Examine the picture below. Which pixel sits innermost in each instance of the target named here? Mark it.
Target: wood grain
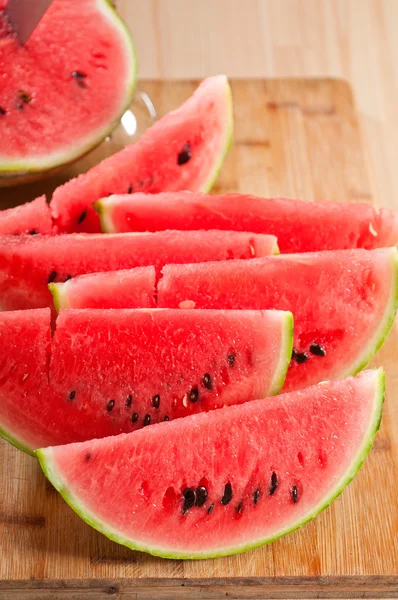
(293, 138)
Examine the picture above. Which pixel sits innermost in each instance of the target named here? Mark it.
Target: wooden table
(293, 138)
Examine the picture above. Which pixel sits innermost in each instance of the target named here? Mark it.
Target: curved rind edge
(19, 169)
(385, 326)
(102, 209)
(16, 443)
(285, 355)
(45, 458)
(56, 296)
(206, 187)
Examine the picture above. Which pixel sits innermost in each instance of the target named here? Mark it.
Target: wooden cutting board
(294, 138)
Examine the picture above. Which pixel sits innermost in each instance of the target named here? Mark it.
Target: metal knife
(24, 15)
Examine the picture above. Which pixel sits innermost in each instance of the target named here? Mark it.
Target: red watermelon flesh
(66, 88)
(299, 226)
(223, 482)
(32, 217)
(184, 150)
(29, 263)
(130, 288)
(111, 371)
(344, 302)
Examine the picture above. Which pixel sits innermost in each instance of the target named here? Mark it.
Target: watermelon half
(344, 302)
(32, 217)
(223, 482)
(130, 288)
(105, 372)
(299, 226)
(65, 89)
(184, 150)
(29, 263)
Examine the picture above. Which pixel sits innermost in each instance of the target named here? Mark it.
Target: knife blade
(24, 15)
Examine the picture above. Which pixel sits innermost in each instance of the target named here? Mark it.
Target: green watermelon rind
(385, 326)
(10, 170)
(16, 443)
(44, 456)
(284, 356)
(58, 296)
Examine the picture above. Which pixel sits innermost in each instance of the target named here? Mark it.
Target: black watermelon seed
(294, 494)
(147, 420)
(210, 509)
(130, 189)
(194, 395)
(52, 276)
(2, 111)
(227, 496)
(189, 496)
(185, 154)
(134, 418)
(68, 277)
(231, 359)
(207, 381)
(33, 232)
(19, 105)
(166, 418)
(294, 353)
(301, 358)
(82, 216)
(88, 457)
(24, 96)
(71, 395)
(239, 508)
(129, 401)
(78, 75)
(201, 495)
(317, 350)
(256, 496)
(156, 401)
(274, 484)
(110, 406)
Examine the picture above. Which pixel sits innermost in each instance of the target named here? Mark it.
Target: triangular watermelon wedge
(106, 372)
(344, 302)
(223, 482)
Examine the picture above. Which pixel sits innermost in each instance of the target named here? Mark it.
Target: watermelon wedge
(29, 263)
(242, 477)
(65, 89)
(32, 217)
(105, 372)
(184, 150)
(299, 226)
(344, 302)
(133, 288)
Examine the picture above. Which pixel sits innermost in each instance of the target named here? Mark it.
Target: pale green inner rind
(51, 471)
(275, 248)
(60, 298)
(103, 207)
(15, 167)
(385, 324)
(285, 355)
(208, 184)
(17, 443)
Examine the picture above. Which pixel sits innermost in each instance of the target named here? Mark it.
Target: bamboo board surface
(295, 138)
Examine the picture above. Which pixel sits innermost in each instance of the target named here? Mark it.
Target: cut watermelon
(133, 288)
(299, 226)
(242, 477)
(344, 302)
(29, 263)
(112, 371)
(32, 217)
(184, 150)
(65, 89)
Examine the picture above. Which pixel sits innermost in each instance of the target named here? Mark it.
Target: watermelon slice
(242, 477)
(299, 226)
(32, 217)
(110, 371)
(29, 263)
(65, 89)
(184, 150)
(132, 288)
(344, 302)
